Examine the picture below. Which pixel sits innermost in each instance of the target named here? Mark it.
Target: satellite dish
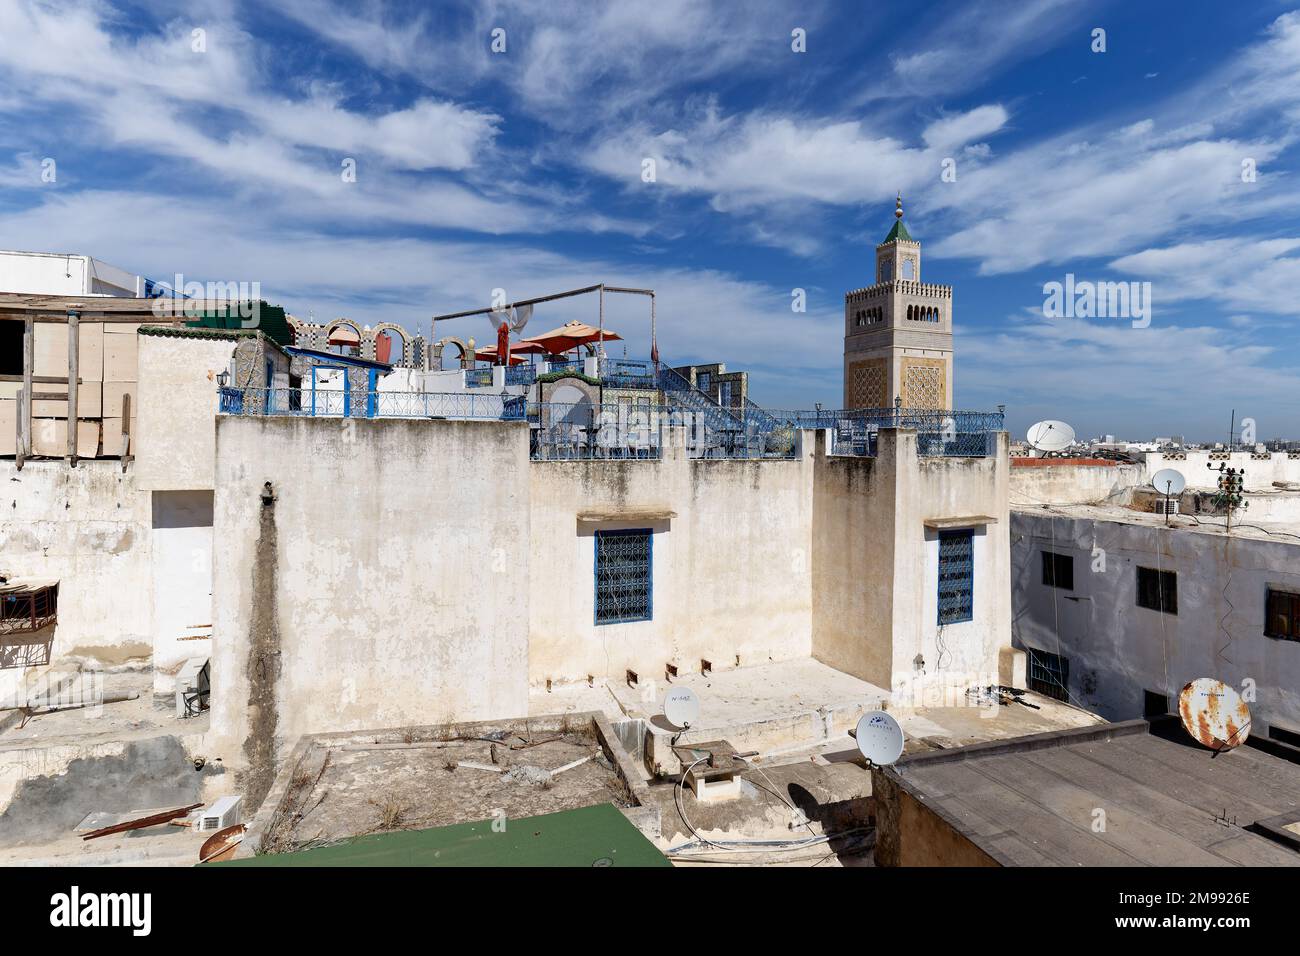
(1050, 436)
(682, 707)
(879, 737)
(1214, 713)
(1169, 481)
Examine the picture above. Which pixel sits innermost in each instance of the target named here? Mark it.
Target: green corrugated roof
(590, 836)
(193, 332)
(271, 322)
(899, 231)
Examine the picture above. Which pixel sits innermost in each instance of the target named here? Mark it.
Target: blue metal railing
(626, 430)
(567, 366)
(722, 429)
(939, 432)
(359, 403)
(622, 373)
(520, 374)
(561, 432)
(232, 400)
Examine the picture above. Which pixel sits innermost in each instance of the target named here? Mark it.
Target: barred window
(1157, 590)
(1282, 615)
(1048, 674)
(956, 576)
(624, 579)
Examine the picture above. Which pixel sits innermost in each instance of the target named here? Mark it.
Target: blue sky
(775, 170)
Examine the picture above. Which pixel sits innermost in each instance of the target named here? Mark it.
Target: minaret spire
(898, 207)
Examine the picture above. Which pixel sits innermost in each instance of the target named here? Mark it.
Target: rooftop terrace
(629, 428)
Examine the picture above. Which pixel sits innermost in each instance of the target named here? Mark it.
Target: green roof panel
(271, 321)
(590, 836)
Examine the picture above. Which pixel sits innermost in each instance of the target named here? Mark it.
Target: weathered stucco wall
(852, 558)
(89, 527)
(731, 563)
(1117, 650)
(876, 564)
(1074, 484)
(385, 585)
(177, 413)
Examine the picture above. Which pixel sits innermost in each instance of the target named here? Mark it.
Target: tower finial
(898, 207)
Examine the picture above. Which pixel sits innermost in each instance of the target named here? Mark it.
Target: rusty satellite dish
(221, 846)
(1214, 713)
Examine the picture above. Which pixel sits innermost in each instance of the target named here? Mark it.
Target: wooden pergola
(71, 311)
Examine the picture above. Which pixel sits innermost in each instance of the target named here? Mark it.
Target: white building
(57, 273)
(1119, 607)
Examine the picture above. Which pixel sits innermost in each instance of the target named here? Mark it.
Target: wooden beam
(38, 379)
(25, 413)
(128, 453)
(19, 419)
(145, 318)
(74, 355)
(50, 397)
(152, 820)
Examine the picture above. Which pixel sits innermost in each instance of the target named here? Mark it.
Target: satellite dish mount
(1169, 482)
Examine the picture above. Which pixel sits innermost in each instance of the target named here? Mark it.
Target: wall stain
(263, 663)
(114, 654)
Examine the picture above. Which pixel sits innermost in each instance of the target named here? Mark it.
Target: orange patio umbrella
(570, 336)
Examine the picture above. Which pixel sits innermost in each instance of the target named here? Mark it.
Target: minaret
(898, 331)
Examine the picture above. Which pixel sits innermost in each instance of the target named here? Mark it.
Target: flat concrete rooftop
(1034, 801)
(1243, 524)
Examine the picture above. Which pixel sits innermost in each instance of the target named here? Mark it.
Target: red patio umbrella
(488, 353)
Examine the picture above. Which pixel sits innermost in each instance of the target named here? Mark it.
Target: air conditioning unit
(225, 812)
(1166, 506)
(192, 687)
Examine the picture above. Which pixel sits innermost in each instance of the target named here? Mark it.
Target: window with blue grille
(624, 582)
(956, 576)
(1048, 674)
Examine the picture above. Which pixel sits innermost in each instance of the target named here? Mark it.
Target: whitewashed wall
(398, 583)
(1117, 649)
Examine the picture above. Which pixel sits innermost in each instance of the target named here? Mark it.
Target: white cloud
(763, 159)
(1105, 376)
(1099, 190)
(72, 56)
(959, 129)
(1240, 274)
(570, 64)
(1066, 200)
(967, 44)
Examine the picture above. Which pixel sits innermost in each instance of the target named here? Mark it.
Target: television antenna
(1214, 714)
(879, 738)
(682, 708)
(1049, 436)
(1169, 482)
(1232, 484)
